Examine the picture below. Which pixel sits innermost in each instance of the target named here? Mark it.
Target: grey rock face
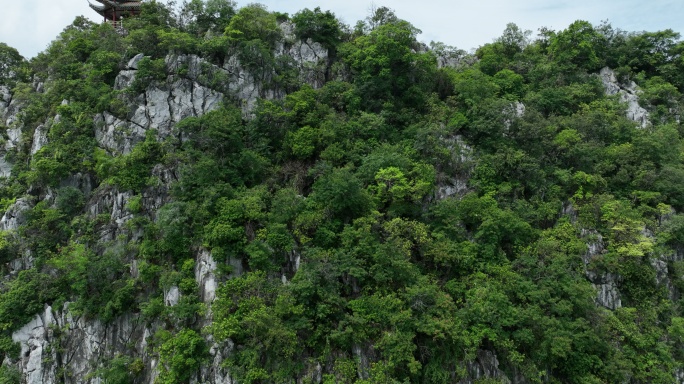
(607, 293)
(9, 108)
(15, 215)
(13, 138)
(39, 139)
(628, 94)
(115, 135)
(58, 347)
(486, 366)
(133, 63)
(172, 296)
(5, 167)
(160, 107)
(124, 79)
(310, 57)
(665, 274)
(5, 99)
(679, 375)
(456, 184)
(12, 113)
(214, 372)
(205, 266)
(33, 340)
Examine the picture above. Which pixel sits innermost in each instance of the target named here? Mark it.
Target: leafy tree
(12, 65)
(579, 46)
(321, 27)
(180, 355)
(264, 322)
(387, 71)
(207, 16)
(254, 23)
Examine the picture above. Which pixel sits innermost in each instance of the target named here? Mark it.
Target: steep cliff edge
(225, 195)
(58, 346)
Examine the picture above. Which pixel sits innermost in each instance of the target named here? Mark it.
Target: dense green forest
(415, 207)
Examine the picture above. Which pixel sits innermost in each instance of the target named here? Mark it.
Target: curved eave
(119, 5)
(97, 8)
(129, 6)
(112, 10)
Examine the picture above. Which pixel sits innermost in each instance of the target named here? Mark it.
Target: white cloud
(30, 25)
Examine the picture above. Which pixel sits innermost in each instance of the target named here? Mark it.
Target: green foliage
(98, 283)
(46, 228)
(321, 27)
(120, 370)
(180, 355)
(70, 200)
(20, 299)
(254, 314)
(10, 375)
(206, 16)
(132, 171)
(13, 66)
(341, 194)
(254, 23)
(579, 46)
(418, 216)
(149, 70)
(387, 71)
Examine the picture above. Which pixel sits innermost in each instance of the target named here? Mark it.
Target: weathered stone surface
(193, 87)
(80, 181)
(13, 137)
(5, 99)
(158, 100)
(171, 296)
(39, 139)
(628, 93)
(484, 366)
(205, 266)
(124, 79)
(15, 215)
(160, 106)
(455, 183)
(133, 62)
(9, 107)
(214, 372)
(5, 167)
(115, 135)
(607, 292)
(59, 347)
(33, 340)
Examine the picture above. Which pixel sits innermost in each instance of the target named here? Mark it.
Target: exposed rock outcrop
(628, 93)
(159, 107)
(58, 346)
(607, 293)
(462, 163)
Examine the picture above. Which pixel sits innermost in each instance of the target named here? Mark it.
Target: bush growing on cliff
(390, 226)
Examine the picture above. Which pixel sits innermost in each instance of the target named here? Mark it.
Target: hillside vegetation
(392, 219)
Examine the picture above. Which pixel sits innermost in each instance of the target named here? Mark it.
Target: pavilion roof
(114, 3)
(108, 6)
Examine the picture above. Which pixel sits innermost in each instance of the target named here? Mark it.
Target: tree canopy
(391, 221)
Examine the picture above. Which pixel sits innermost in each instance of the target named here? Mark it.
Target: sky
(30, 25)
